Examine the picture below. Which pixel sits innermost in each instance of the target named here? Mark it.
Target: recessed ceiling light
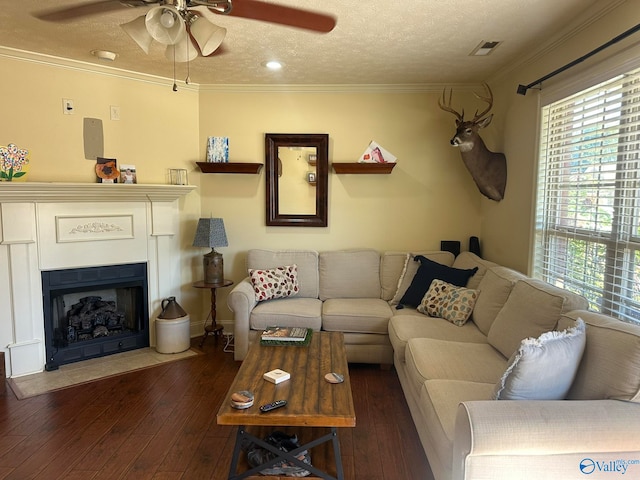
(104, 55)
(485, 48)
(273, 65)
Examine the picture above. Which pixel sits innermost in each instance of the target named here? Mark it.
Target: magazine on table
(285, 334)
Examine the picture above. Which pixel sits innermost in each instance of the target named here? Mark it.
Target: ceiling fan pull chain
(188, 79)
(175, 85)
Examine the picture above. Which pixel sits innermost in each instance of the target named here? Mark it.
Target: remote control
(272, 406)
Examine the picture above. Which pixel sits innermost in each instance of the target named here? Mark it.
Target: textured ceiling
(374, 41)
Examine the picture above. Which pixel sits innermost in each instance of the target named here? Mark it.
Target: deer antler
(447, 107)
(488, 99)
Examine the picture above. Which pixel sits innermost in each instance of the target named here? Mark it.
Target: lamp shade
(210, 233)
(184, 50)
(165, 24)
(137, 30)
(207, 35)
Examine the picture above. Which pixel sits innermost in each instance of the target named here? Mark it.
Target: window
(587, 233)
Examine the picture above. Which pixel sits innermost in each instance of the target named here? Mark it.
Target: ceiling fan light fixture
(137, 30)
(165, 24)
(207, 35)
(184, 50)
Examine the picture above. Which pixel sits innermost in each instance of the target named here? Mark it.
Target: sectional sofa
(505, 376)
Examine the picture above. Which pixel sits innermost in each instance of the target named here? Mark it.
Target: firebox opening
(93, 312)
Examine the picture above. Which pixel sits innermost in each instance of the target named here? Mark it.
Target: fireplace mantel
(39, 231)
(89, 192)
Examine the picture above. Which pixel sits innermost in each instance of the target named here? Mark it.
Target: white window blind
(587, 234)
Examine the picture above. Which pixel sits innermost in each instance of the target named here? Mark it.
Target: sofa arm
(241, 301)
(546, 439)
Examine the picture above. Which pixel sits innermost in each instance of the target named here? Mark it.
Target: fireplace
(59, 227)
(93, 312)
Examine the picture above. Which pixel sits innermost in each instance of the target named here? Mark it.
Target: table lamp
(210, 233)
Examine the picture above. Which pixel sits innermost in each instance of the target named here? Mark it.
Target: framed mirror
(297, 167)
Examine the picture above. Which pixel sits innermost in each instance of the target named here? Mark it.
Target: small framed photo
(313, 158)
(128, 174)
(311, 177)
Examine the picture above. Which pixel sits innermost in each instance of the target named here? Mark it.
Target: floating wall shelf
(229, 167)
(363, 168)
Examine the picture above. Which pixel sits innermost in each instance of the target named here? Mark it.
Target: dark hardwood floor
(160, 424)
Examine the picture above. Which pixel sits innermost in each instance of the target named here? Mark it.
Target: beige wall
(428, 197)
(506, 227)
(158, 130)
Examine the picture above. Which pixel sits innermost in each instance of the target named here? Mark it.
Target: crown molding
(337, 88)
(76, 65)
(581, 23)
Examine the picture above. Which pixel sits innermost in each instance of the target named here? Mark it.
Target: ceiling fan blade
(86, 9)
(281, 15)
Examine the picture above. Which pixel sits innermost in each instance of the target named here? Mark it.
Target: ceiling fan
(182, 26)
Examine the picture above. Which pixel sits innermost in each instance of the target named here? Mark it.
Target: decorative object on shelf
(178, 176)
(107, 170)
(218, 149)
(313, 158)
(128, 174)
(488, 169)
(210, 233)
(311, 177)
(231, 167)
(13, 163)
(376, 154)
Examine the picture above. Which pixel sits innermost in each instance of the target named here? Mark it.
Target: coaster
(242, 399)
(334, 377)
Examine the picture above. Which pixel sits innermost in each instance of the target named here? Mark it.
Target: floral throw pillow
(444, 300)
(276, 282)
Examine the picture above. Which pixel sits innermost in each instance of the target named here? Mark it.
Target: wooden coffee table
(311, 400)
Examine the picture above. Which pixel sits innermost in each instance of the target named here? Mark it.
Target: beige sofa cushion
(533, 307)
(438, 403)
(359, 315)
(349, 274)
(287, 312)
(397, 270)
(467, 260)
(306, 260)
(495, 287)
(408, 323)
(427, 359)
(610, 366)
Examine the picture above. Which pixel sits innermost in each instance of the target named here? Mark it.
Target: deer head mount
(488, 169)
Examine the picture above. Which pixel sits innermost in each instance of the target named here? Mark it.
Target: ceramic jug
(171, 309)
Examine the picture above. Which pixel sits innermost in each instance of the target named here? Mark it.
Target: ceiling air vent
(484, 49)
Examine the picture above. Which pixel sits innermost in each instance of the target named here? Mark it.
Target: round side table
(213, 328)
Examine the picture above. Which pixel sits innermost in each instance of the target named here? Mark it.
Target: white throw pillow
(543, 368)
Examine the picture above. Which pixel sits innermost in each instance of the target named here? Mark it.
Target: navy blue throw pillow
(429, 271)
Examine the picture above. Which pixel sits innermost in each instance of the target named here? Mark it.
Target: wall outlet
(67, 106)
(115, 112)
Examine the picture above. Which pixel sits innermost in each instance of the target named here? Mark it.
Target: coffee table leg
(236, 453)
(336, 453)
